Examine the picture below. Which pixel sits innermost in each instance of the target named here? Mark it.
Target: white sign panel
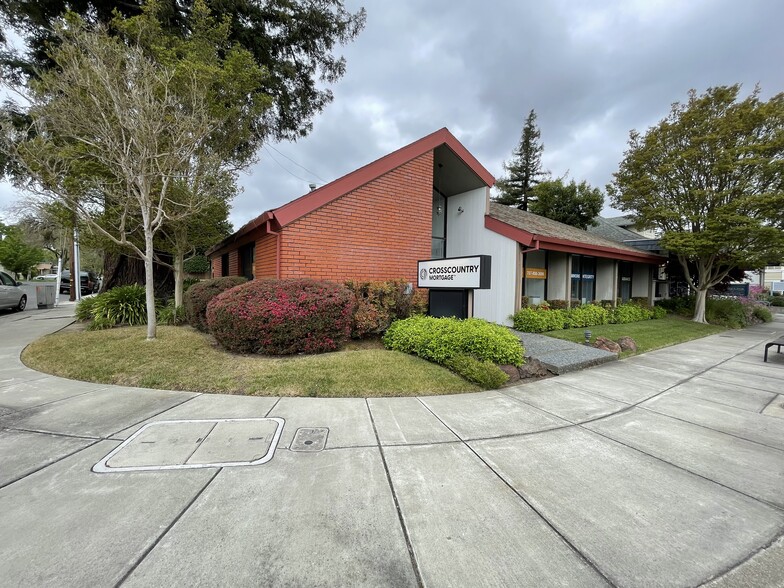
(458, 272)
(777, 287)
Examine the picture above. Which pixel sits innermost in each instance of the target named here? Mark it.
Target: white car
(11, 296)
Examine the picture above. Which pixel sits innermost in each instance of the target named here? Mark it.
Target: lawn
(185, 359)
(648, 335)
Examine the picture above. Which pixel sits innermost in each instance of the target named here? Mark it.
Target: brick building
(430, 200)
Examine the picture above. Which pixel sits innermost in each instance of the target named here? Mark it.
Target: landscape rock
(512, 371)
(532, 368)
(607, 345)
(627, 344)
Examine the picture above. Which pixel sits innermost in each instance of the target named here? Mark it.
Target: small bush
(680, 305)
(629, 313)
(558, 304)
(762, 314)
(124, 305)
(380, 303)
(484, 373)
(777, 300)
(587, 315)
(84, 310)
(727, 312)
(198, 296)
(281, 317)
(198, 264)
(188, 282)
(171, 315)
(659, 312)
(539, 320)
(440, 339)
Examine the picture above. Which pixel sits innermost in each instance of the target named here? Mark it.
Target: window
(535, 276)
(583, 278)
(224, 265)
(438, 242)
(625, 281)
(246, 254)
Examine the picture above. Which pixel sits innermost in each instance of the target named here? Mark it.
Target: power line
(297, 164)
(284, 168)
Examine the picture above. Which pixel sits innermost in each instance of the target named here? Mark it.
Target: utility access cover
(207, 443)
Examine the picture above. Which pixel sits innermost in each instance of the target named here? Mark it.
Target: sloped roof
(609, 228)
(288, 213)
(531, 229)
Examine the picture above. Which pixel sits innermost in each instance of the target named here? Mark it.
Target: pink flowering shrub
(281, 317)
(198, 296)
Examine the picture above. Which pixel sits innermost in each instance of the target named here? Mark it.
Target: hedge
(469, 347)
(544, 318)
(198, 296)
(281, 317)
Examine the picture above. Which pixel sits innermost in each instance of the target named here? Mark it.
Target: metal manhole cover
(189, 444)
(310, 439)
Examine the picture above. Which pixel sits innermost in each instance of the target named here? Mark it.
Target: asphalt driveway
(665, 469)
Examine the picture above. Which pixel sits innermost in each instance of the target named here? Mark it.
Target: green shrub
(441, 339)
(762, 314)
(641, 301)
(484, 373)
(629, 313)
(587, 315)
(680, 305)
(84, 309)
(281, 317)
(171, 315)
(198, 264)
(558, 304)
(188, 282)
(380, 303)
(659, 312)
(777, 300)
(124, 305)
(539, 320)
(727, 312)
(198, 296)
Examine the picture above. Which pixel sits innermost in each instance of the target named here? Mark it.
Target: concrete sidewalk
(665, 469)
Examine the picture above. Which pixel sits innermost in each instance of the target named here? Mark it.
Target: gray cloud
(592, 70)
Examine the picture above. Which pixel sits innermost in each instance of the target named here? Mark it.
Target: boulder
(607, 345)
(512, 371)
(533, 368)
(627, 344)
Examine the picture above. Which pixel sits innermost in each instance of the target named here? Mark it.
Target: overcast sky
(592, 71)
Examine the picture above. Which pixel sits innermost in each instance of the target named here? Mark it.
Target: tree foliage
(524, 171)
(292, 40)
(16, 254)
(573, 204)
(711, 176)
(132, 133)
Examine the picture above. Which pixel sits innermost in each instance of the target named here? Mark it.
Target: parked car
(11, 296)
(88, 279)
(46, 278)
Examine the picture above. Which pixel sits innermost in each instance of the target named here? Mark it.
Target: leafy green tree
(129, 132)
(16, 255)
(524, 171)
(573, 204)
(710, 176)
(292, 40)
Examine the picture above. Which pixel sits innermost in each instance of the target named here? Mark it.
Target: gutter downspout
(277, 246)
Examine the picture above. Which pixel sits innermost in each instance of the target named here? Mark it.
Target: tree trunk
(179, 278)
(124, 270)
(699, 306)
(149, 285)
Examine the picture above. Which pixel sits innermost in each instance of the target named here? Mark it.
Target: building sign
(535, 273)
(737, 290)
(455, 273)
(777, 287)
(584, 276)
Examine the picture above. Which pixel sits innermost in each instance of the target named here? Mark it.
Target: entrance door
(246, 255)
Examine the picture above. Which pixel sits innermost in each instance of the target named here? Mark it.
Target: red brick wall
(376, 232)
(265, 260)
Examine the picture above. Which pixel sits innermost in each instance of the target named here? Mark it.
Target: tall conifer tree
(524, 171)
